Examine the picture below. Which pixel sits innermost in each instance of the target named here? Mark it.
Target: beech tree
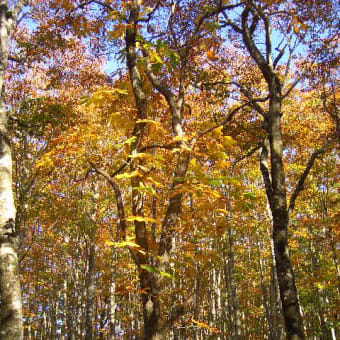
(10, 293)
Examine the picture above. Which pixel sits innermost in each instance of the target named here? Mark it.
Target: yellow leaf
(157, 184)
(127, 175)
(110, 243)
(141, 219)
(147, 121)
(139, 155)
(223, 164)
(227, 141)
(296, 29)
(217, 132)
(204, 325)
(211, 56)
(127, 243)
(223, 211)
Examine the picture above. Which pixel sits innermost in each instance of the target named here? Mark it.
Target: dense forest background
(169, 169)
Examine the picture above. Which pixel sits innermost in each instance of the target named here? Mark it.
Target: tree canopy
(169, 169)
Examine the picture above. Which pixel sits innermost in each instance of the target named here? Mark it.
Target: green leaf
(156, 67)
(127, 141)
(249, 195)
(149, 269)
(165, 274)
(216, 182)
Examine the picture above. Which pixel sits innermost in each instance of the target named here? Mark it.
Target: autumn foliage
(175, 169)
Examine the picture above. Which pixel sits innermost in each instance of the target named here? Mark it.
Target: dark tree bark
(274, 178)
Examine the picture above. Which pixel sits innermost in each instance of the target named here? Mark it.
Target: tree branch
(107, 6)
(160, 146)
(156, 83)
(252, 48)
(247, 155)
(18, 7)
(149, 16)
(229, 22)
(265, 173)
(268, 32)
(292, 86)
(226, 120)
(16, 59)
(121, 223)
(299, 186)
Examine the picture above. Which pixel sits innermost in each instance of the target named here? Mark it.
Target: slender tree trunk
(237, 324)
(275, 179)
(265, 295)
(90, 293)
(112, 307)
(197, 299)
(228, 292)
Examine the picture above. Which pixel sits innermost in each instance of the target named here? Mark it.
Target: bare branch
(16, 59)
(82, 5)
(254, 101)
(160, 146)
(253, 49)
(268, 32)
(121, 223)
(254, 23)
(149, 16)
(226, 120)
(245, 91)
(219, 8)
(29, 247)
(156, 83)
(247, 155)
(291, 87)
(229, 22)
(280, 55)
(18, 7)
(299, 186)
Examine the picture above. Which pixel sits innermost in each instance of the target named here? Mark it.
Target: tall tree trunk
(10, 291)
(228, 291)
(276, 306)
(275, 179)
(237, 324)
(265, 292)
(90, 292)
(278, 203)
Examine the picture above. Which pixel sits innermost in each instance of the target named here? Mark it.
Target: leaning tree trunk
(10, 292)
